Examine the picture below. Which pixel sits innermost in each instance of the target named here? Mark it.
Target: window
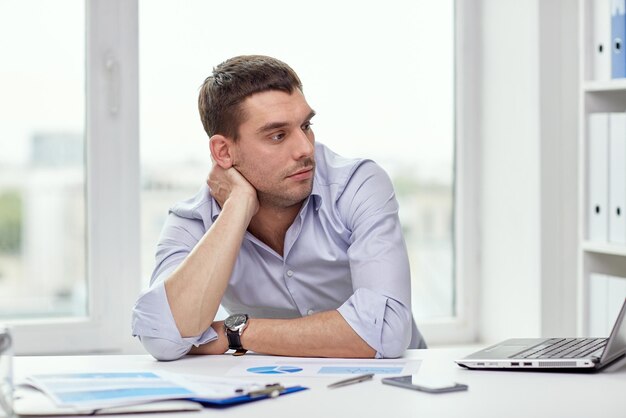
(68, 140)
(70, 120)
(382, 88)
(42, 182)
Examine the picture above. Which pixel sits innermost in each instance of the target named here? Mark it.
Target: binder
(238, 400)
(31, 402)
(617, 178)
(601, 48)
(597, 177)
(598, 299)
(618, 34)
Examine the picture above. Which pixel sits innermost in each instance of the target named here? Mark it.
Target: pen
(356, 379)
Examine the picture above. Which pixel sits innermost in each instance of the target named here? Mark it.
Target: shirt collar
(317, 195)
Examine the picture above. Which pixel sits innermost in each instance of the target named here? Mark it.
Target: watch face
(235, 321)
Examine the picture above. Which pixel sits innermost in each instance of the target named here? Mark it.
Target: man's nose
(304, 145)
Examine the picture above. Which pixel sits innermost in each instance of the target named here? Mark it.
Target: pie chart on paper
(274, 370)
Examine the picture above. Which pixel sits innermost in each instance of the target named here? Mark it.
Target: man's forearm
(196, 287)
(325, 334)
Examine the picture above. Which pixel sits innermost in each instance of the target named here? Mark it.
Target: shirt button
(310, 312)
(289, 273)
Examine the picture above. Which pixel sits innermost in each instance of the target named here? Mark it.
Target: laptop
(553, 354)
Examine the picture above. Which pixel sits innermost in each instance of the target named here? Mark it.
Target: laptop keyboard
(564, 348)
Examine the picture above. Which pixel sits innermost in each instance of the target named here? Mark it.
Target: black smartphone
(425, 383)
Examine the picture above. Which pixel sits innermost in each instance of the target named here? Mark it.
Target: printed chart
(283, 366)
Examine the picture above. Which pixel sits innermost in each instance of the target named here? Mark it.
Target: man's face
(275, 149)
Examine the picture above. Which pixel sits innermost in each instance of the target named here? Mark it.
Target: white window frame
(462, 328)
(112, 192)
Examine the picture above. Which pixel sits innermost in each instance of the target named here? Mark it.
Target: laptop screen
(616, 344)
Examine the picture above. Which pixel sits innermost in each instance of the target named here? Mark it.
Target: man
(303, 247)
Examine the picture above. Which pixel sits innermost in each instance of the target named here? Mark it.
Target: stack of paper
(117, 392)
(32, 402)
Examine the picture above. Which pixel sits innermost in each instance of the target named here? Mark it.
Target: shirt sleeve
(152, 319)
(379, 311)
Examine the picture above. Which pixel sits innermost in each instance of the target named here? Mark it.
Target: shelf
(608, 85)
(595, 96)
(608, 249)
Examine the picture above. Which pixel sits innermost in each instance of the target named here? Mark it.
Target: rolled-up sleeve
(379, 311)
(152, 319)
(382, 322)
(154, 324)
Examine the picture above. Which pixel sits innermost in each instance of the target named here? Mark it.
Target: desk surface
(490, 394)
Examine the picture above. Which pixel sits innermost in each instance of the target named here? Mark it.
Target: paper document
(104, 390)
(32, 402)
(283, 367)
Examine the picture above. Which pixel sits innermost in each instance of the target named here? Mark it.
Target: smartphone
(424, 383)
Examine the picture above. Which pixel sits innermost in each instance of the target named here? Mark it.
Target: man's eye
(277, 137)
(307, 126)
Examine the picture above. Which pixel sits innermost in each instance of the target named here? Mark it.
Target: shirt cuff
(153, 318)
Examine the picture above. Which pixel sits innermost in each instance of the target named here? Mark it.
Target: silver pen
(356, 379)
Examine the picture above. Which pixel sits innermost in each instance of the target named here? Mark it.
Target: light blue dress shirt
(344, 251)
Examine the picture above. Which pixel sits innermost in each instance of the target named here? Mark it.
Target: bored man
(302, 247)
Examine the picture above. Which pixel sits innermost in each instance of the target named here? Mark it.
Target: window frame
(111, 192)
(463, 326)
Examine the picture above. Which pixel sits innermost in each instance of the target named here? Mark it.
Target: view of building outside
(379, 75)
(42, 196)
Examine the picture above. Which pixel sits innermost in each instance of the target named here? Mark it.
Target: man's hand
(227, 183)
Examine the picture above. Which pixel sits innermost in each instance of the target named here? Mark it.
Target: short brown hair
(232, 82)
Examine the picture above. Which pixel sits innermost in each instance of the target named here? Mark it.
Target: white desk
(490, 394)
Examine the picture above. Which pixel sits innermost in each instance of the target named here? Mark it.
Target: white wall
(558, 110)
(528, 196)
(510, 173)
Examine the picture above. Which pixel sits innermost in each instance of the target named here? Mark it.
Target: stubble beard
(284, 200)
(280, 198)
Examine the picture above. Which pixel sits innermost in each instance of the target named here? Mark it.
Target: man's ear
(221, 150)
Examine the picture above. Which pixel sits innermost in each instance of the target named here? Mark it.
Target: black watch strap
(234, 342)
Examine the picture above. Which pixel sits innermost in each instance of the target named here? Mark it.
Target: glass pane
(379, 75)
(42, 198)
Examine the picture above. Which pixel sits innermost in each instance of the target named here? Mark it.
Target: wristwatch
(234, 325)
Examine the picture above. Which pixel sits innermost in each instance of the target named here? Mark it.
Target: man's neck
(270, 224)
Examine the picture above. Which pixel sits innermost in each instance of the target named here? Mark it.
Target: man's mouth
(302, 174)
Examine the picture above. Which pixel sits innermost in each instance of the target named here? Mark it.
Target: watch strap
(240, 352)
(234, 342)
(234, 326)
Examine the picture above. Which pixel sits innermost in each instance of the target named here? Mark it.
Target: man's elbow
(396, 338)
(394, 349)
(162, 349)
